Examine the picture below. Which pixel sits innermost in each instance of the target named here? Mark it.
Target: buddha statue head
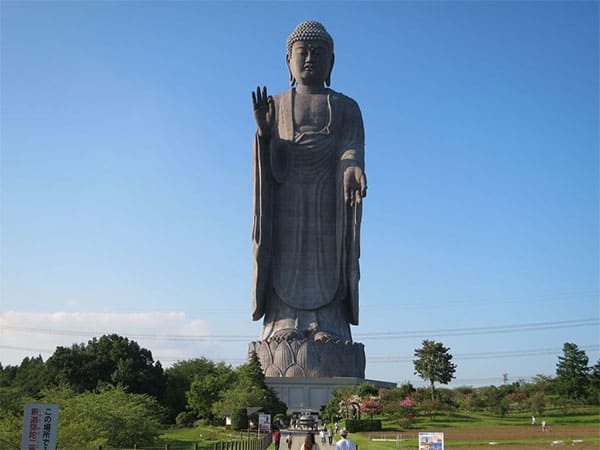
(310, 54)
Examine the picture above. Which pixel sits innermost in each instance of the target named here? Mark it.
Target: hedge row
(354, 425)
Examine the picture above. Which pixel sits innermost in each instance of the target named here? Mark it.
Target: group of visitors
(326, 435)
(309, 440)
(545, 426)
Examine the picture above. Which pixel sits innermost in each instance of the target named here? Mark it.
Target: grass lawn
(204, 436)
(462, 431)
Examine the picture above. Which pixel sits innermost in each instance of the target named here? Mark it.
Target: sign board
(40, 426)
(431, 441)
(264, 423)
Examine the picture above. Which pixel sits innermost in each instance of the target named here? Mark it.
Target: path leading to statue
(298, 437)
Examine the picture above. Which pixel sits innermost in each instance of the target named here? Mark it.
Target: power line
(485, 355)
(160, 337)
(558, 296)
(390, 359)
(467, 331)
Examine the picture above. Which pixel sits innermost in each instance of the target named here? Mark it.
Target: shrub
(185, 419)
(239, 419)
(371, 407)
(406, 412)
(537, 403)
(357, 425)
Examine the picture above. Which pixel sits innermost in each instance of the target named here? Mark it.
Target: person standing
(330, 435)
(309, 442)
(288, 440)
(344, 443)
(276, 438)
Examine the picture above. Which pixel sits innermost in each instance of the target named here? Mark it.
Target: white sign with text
(40, 426)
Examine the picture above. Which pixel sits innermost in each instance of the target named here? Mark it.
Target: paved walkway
(298, 439)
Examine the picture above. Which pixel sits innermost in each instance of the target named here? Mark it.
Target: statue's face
(310, 62)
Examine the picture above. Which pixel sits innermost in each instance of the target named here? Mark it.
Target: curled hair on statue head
(309, 30)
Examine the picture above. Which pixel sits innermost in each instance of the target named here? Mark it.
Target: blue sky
(126, 179)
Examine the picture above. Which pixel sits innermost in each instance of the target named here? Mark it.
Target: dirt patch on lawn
(561, 432)
(565, 433)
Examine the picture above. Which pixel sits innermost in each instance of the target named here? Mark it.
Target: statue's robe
(306, 237)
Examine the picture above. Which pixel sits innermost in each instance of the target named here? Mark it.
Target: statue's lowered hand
(355, 185)
(264, 111)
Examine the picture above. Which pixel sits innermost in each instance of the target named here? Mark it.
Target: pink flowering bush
(517, 400)
(406, 411)
(371, 407)
(407, 403)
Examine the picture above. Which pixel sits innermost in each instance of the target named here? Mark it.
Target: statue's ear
(328, 79)
(292, 79)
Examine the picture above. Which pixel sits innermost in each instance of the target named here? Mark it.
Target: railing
(250, 443)
(242, 442)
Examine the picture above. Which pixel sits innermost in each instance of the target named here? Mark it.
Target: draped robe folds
(305, 236)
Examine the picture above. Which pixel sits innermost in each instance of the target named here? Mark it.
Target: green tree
(537, 403)
(330, 411)
(489, 397)
(542, 383)
(26, 379)
(113, 360)
(249, 389)
(206, 390)
(406, 389)
(433, 363)
(594, 385)
(239, 419)
(182, 395)
(366, 390)
(572, 372)
(72, 365)
(392, 398)
(111, 417)
(11, 426)
(349, 403)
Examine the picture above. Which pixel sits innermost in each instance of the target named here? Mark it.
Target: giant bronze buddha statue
(309, 183)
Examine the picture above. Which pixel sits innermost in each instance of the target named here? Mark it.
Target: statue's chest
(311, 112)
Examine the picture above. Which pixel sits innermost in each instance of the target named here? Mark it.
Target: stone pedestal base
(308, 358)
(309, 393)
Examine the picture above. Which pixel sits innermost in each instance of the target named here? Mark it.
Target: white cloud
(169, 335)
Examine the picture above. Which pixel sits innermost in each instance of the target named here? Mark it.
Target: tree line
(110, 385)
(112, 393)
(576, 384)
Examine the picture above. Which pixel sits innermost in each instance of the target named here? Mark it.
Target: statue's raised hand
(355, 185)
(264, 111)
